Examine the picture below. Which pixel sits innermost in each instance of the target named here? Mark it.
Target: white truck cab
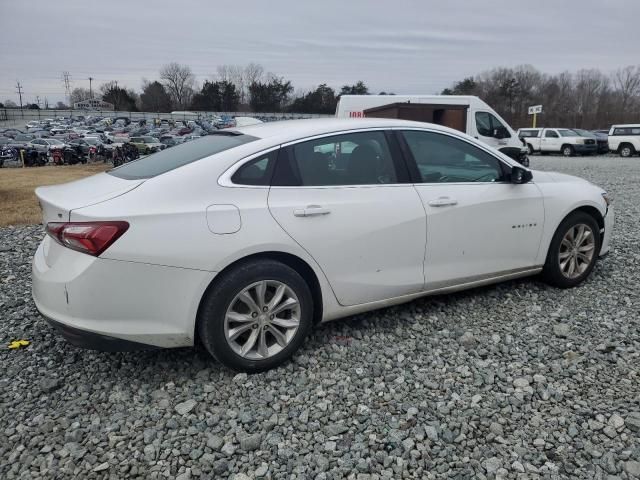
(625, 139)
(467, 114)
(557, 140)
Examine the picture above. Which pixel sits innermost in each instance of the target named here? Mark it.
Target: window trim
(224, 180)
(413, 165)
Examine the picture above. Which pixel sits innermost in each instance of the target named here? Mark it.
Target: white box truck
(467, 114)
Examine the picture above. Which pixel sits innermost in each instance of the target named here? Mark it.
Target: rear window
(183, 154)
(528, 133)
(626, 131)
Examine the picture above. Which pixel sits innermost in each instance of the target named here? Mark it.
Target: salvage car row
(79, 139)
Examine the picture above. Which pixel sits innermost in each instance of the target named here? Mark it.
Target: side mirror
(519, 175)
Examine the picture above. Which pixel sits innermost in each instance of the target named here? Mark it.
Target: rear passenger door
(345, 198)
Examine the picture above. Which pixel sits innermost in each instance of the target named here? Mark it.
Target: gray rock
(561, 330)
(185, 407)
(632, 421)
(335, 429)
(251, 442)
(632, 467)
(48, 385)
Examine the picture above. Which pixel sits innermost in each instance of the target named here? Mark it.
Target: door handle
(443, 202)
(311, 211)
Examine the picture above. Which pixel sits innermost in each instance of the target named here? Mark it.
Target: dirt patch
(18, 202)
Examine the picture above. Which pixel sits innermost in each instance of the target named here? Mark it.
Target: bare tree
(627, 83)
(79, 95)
(179, 82)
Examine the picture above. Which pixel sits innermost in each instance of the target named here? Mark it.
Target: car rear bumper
(105, 304)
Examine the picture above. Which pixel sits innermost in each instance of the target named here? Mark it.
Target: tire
(567, 151)
(554, 272)
(222, 299)
(146, 152)
(626, 150)
(525, 162)
(530, 148)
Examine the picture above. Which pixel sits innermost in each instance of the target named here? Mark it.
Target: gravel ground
(517, 380)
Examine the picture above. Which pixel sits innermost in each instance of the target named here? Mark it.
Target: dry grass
(18, 203)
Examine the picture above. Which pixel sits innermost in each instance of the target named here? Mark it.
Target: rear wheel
(573, 251)
(567, 151)
(626, 150)
(256, 316)
(530, 148)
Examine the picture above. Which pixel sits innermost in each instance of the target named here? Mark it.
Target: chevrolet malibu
(246, 238)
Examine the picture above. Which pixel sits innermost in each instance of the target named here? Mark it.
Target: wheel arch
(296, 263)
(586, 208)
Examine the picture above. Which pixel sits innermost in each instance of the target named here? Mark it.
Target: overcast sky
(404, 46)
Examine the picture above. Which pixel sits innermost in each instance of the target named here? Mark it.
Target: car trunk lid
(57, 201)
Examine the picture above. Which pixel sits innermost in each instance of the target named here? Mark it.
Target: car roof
(633, 125)
(289, 130)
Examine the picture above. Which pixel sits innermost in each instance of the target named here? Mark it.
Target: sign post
(535, 110)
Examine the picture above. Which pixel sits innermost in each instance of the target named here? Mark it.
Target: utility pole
(19, 90)
(38, 101)
(46, 103)
(90, 91)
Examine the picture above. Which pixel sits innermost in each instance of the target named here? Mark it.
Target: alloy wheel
(625, 152)
(577, 250)
(262, 319)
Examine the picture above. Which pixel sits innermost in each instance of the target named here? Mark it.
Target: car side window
(442, 158)
(257, 171)
(550, 134)
(362, 158)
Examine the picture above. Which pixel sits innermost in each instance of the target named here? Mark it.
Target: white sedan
(248, 237)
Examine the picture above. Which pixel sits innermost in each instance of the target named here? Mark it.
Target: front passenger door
(478, 223)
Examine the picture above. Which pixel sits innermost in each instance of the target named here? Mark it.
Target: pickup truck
(557, 140)
(625, 139)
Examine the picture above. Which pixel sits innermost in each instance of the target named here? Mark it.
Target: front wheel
(567, 151)
(573, 251)
(530, 148)
(256, 316)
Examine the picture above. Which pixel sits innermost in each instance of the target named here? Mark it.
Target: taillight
(91, 238)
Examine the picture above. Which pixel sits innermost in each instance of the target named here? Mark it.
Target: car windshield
(183, 154)
(53, 141)
(567, 133)
(149, 140)
(583, 133)
(24, 137)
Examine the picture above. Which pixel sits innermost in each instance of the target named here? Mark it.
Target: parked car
(602, 141)
(86, 145)
(625, 139)
(249, 271)
(21, 140)
(557, 140)
(147, 145)
(43, 145)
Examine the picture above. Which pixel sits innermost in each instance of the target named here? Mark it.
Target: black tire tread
(214, 304)
(551, 271)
